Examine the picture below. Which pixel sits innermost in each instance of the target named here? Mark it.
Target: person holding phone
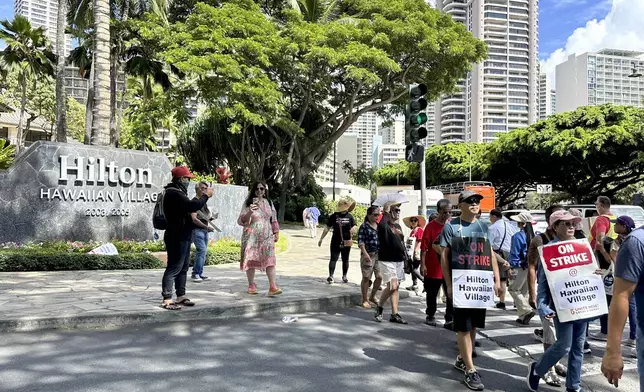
(343, 225)
(261, 232)
(201, 219)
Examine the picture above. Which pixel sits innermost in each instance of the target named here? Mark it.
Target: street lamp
(635, 74)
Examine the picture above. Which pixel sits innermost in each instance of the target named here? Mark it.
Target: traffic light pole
(423, 189)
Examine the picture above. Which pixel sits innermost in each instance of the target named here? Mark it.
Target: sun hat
(421, 220)
(181, 171)
(467, 194)
(389, 204)
(562, 215)
(523, 217)
(345, 205)
(627, 222)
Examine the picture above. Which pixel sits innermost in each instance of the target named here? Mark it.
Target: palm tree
(316, 11)
(29, 54)
(61, 98)
(102, 94)
(81, 57)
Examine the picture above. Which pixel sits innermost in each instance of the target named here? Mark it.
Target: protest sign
(577, 292)
(105, 249)
(472, 273)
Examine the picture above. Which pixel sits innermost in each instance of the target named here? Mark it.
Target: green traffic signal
(419, 119)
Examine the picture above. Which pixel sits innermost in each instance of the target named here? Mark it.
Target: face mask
(185, 183)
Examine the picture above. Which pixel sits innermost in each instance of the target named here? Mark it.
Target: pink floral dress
(257, 244)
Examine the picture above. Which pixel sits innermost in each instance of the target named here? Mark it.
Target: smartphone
(255, 200)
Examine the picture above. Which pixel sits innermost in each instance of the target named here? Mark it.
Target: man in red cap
(177, 208)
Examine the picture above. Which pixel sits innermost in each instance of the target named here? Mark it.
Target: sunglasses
(396, 210)
(376, 215)
(567, 224)
(413, 220)
(261, 188)
(472, 200)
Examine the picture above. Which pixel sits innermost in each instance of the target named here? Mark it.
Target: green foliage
(47, 260)
(40, 95)
(293, 76)
(7, 154)
(299, 198)
(75, 119)
(358, 213)
(360, 176)
(591, 151)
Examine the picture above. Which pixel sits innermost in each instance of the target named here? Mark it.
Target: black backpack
(158, 216)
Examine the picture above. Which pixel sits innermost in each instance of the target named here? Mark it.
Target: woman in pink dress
(261, 232)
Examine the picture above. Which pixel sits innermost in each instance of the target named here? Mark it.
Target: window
(495, 15)
(4, 133)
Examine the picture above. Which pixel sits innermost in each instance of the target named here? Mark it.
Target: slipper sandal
(170, 306)
(186, 302)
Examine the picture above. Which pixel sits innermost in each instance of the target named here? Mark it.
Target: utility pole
(334, 165)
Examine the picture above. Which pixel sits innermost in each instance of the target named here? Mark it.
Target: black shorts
(466, 319)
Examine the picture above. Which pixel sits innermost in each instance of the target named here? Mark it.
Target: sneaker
(630, 343)
(587, 349)
(459, 364)
(252, 289)
(477, 343)
(449, 325)
(273, 291)
(525, 320)
(474, 354)
(378, 315)
(431, 321)
(599, 336)
(396, 318)
(329, 280)
(204, 278)
(500, 305)
(196, 278)
(552, 379)
(561, 370)
(538, 334)
(413, 287)
(473, 380)
(532, 379)
(345, 280)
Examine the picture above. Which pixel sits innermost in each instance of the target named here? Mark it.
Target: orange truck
(485, 188)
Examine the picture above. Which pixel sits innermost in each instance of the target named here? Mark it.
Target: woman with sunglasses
(570, 335)
(261, 232)
(369, 245)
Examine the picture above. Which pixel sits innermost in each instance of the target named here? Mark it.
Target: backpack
(158, 216)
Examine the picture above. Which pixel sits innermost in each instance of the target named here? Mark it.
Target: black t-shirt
(340, 221)
(392, 241)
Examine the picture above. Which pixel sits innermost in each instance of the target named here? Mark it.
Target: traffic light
(415, 117)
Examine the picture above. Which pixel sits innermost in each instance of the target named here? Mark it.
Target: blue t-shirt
(630, 266)
(458, 228)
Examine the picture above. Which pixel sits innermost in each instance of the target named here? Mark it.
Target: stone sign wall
(58, 191)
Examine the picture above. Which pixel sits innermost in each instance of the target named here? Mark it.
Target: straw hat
(523, 217)
(345, 205)
(421, 220)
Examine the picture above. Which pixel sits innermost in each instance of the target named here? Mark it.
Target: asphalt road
(334, 351)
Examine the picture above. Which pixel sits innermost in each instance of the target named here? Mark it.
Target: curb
(246, 311)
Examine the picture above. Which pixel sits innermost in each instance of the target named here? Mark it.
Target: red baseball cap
(181, 171)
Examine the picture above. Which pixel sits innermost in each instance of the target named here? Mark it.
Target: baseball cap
(562, 215)
(467, 194)
(626, 221)
(181, 171)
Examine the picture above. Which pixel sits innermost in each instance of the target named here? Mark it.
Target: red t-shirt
(602, 225)
(432, 263)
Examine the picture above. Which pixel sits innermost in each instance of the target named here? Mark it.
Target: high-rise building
(346, 148)
(500, 94)
(546, 97)
(553, 100)
(596, 78)
(365, 127)
(388, 154)
(76, 85)
(394, 133)
(42, 13)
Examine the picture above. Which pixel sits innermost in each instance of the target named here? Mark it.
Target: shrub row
(37, 260)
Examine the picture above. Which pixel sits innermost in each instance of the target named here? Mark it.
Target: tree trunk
(61, 96)
(114, 137)
(23, 102)
(101, 110)
(89, 104)
(285, 181)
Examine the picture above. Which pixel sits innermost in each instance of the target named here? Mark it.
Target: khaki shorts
(549, 332)
(370, 268)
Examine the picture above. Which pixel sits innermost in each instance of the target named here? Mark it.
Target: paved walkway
(77, 299)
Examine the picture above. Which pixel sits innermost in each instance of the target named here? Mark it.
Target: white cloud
(620, 29)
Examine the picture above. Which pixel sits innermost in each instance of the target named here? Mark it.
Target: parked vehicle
(589, 211)
(539, 223)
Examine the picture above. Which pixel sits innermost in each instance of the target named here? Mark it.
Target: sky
(565, 27)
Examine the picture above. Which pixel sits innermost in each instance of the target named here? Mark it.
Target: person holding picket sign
(472, 276)
(573, 293)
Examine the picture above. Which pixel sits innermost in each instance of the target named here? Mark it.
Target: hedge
(21, 260)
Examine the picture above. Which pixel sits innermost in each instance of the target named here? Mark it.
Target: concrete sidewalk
(98, 299)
